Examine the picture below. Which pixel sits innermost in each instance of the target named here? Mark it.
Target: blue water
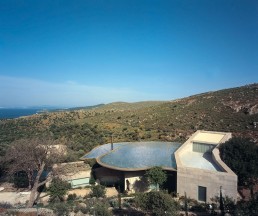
(17, 112)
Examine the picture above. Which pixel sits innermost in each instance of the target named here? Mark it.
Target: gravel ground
(14, 198)
(20, 198)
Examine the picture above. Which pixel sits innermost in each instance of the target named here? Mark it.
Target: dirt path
(83, 192)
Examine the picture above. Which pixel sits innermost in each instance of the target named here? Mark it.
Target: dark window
(202, 148)
(202, 193)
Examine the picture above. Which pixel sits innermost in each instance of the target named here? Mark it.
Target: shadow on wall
(141, 185)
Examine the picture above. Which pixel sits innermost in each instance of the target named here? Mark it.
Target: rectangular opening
(202, 148)
(202, 193)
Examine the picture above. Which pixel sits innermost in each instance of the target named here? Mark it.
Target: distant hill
(84, 107)
(232, 110)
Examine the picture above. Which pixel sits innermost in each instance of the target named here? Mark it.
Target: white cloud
(16, 91)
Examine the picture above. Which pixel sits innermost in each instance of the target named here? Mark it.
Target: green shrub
(21, 180)
(229, 203)
(58, 188)
(113, 203)
(199, 207)
(92, 180)
(61, 209)
(156, 176)
(247, 207)
(101, 209)
(241, 155)
(98, 191)
(157, 203)
(71, 197)
(84, 210)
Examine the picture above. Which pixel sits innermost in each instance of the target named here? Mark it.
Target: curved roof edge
(99, 146)
(98, 160)
(129, 169)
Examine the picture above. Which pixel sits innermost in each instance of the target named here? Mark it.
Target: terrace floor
(200, 161)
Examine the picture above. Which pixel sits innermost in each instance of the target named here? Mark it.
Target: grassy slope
(225, 110)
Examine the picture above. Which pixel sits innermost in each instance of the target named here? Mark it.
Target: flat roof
(77, 175)
(199, 160)
(208, 137)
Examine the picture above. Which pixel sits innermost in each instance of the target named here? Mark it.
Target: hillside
(232, 110)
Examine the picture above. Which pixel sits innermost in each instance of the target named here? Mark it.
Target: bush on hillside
(241, 155)
(61, 209)
(101, 209)
(98, 191)
(157, 203)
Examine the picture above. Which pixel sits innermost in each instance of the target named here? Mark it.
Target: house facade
(194, 167)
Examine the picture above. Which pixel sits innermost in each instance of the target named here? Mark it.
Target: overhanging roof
(136, 156)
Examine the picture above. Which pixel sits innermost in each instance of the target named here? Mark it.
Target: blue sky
(85, 52)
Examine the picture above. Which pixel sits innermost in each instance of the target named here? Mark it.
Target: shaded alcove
(171, 182)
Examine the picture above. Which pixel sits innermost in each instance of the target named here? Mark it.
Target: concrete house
(194, 167)
(200, 171)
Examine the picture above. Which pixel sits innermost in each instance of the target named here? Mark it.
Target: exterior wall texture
(188, 180)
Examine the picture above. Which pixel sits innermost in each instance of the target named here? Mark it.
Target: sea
(9, 113)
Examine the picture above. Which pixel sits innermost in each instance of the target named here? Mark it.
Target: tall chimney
(112, 145)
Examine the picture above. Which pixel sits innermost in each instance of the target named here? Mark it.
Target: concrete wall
(108, 176)
(136, 182)
(188, 180)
